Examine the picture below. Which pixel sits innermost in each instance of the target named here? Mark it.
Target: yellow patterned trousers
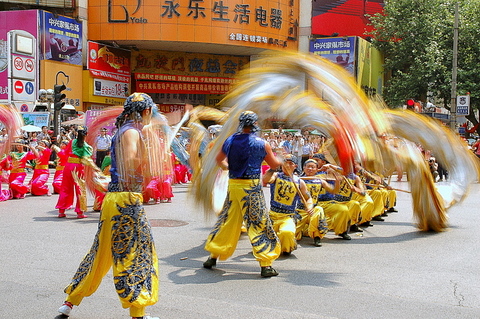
(340, 215)
(123, 240)
(285, 227)
(312, 226)
(245, 202)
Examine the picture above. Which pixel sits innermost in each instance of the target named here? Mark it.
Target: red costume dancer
(152, 191)
(4, 193)
(166, 192)
(62, 161)
(77, 150)
(17, 176)
(41, 172)
(182, 174)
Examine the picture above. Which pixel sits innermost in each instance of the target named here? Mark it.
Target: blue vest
(283, 194)
(117, 182)
(245, 153)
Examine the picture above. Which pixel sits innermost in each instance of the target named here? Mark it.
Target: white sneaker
(65, 309)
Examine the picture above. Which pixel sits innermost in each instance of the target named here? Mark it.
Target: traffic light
(410, 104)
(58, 96)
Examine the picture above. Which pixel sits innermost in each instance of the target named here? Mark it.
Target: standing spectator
(307, 150)
(102, 146)
(44, 136)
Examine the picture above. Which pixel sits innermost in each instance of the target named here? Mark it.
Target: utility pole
(453, 106)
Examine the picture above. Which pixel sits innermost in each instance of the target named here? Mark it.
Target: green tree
(417, 40)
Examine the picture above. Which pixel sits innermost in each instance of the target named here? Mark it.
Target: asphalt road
(390, 270)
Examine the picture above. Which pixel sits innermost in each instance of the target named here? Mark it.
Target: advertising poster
(22, 29)
(340, 50)
(36, 118)
(61, 38)
(108, 62)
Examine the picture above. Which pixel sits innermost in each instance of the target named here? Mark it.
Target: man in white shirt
(102, 146)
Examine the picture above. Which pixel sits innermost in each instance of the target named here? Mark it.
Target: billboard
(340, 50)
(61, 38)
(108, 62)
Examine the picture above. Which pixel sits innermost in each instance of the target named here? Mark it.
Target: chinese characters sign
(259, 23)
(61, 38)
(194, 73)
(185, 64)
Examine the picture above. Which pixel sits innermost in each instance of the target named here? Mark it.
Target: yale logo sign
(125, 17)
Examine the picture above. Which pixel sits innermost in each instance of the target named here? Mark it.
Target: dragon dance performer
(287, 190)
(124, 239)
(18, 161)
(62, 158)
(77, 151)
(315, 225)
(242, 154)
(41, 172)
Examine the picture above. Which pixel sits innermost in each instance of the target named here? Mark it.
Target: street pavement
(390, 270)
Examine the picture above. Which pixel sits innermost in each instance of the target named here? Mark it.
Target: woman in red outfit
(4, 165)
(41, 172)
(77, 150)
(62, 156)
(18, 162)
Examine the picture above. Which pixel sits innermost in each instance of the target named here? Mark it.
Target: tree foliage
(417, 40)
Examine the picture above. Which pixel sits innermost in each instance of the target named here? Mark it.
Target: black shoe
(392, 210)
(384, 214)
(366, 224)
(210, 263)
(345, 236)
(268, 272)
(316, 242)
(354, 228)
(378, 219)
(286, 253)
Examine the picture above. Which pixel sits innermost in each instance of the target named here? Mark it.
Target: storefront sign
(271, 24)
(187, 64)
(183, 78)
(108, 88)
(169, 108)
(187, 88)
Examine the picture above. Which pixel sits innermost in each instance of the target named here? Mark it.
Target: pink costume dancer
(41, 172)
(4, 193)
(152, 191)
(181, 171)
(165, 186)
(62, 161)
(17, 175)
(76, 149)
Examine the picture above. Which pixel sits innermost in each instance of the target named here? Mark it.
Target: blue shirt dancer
(242, 154)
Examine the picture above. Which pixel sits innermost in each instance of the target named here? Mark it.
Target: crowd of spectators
(301, 143)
